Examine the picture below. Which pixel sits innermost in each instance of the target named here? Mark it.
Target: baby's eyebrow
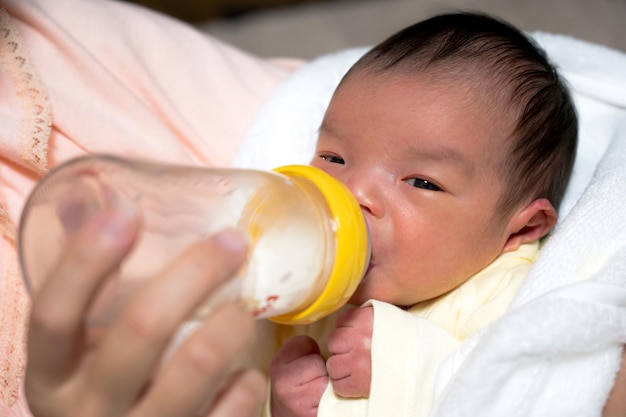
(324, 128)
(442, 154)
(331, 128)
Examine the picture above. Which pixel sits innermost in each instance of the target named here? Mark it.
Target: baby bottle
(308, 240)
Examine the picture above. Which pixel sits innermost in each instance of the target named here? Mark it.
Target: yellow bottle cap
(352, 246)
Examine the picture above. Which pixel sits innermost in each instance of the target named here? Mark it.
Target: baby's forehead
(477, 78)
(489, 96)
(451, 104)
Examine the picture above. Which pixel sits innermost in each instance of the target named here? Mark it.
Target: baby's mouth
(370, 260)
(366, 273)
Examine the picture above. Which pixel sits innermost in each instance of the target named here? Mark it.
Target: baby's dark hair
(545, 127)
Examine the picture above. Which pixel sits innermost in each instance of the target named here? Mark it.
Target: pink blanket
(82, 76)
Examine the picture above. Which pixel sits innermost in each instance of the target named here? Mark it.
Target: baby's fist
(298, 379)
(350, 344)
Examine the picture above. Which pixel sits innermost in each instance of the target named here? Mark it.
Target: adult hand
(119, 374)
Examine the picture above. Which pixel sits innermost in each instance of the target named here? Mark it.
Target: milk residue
(285, 265)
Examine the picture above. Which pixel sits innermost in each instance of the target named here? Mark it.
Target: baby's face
(422, 159)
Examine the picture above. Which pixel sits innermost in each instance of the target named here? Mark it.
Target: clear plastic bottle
(309, 245)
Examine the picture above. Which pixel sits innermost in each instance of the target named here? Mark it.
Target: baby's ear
(531, 223)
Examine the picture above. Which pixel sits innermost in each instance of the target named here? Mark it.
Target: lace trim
(14, 310)
(36, 110)
(33, 145)
(13, 316)
(6, 225)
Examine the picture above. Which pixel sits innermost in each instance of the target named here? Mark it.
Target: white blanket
(556, 352)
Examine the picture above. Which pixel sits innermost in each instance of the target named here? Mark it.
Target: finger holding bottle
(117, 375)
(57, 333)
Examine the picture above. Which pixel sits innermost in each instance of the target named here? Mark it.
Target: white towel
(556, 352)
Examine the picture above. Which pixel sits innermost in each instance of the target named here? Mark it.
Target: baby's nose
(368, 194)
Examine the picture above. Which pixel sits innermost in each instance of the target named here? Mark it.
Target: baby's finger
(298, 364)
(341, 340)
(295, 348)
(349, 378)
(57, 316)
(339, 367)
(134, 343)
(353, 317)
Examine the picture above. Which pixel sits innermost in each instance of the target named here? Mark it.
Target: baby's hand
(298, 378)
(350, 344)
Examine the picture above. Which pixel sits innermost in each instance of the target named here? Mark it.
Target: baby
(457, 137)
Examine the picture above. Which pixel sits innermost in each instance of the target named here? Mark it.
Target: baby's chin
(365, 292)
(377, 285)
(362, 293)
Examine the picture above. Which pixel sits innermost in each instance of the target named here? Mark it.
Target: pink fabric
(82, 76)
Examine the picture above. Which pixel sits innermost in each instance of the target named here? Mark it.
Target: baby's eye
(333, 159)
(422, 183)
